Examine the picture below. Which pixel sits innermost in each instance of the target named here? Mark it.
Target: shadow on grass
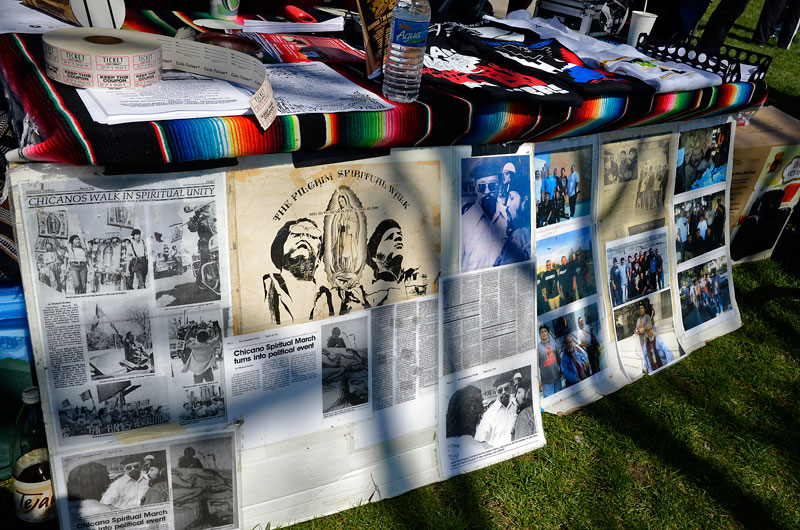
(638, 424)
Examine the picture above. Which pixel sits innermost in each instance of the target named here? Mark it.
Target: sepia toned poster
(318, 242)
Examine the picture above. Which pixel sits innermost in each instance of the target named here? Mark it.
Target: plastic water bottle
(402, 64)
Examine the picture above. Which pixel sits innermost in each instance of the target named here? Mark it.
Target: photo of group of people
(185, 253)
(197, 478)
(115, 407)
(700, 225)
(643, 163)
(118, 338)
(638, 266)
(702, 157)
(345, 370)
(647, 327)
(489, 413)
(562, 184)
(77, 254)
(205, 401)
(564, 269)
(195, 347)
(704, 292)
(569, 349)
(495, 211)
(117, 483)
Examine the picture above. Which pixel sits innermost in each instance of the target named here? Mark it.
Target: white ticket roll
(111, 58)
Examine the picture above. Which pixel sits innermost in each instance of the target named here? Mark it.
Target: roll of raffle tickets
(112, 58)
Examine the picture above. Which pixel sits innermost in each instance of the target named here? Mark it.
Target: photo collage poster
(131, 289)
(571, 338)
(633, 225)
(699, 221)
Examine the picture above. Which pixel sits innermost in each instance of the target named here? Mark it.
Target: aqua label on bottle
(33, 496)
(409, 32)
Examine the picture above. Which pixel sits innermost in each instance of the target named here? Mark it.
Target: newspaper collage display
(130, 288)
(425, 305)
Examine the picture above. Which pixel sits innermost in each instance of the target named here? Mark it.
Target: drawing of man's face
(391, 246)
(358, 388)
(301, 249)
(222, 509)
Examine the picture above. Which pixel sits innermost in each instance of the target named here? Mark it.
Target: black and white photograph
(491, 412)
(119, 338)
(570, 349)
(646, 327)
(203, 476)
(496, 211)
(94, 256)
(637, 266)
(195, 346)
(108, 408)
(644, 163)
(700, 225)
(98, 485)
(562, 185)
(185, 253)
(564, 269)
(202, 402)
(702, 157)
(345, 372)
(704, 292)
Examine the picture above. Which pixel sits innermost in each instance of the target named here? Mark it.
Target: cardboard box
(764, 184)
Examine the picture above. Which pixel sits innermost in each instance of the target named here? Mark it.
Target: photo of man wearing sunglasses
(127, 490)
(484, 217)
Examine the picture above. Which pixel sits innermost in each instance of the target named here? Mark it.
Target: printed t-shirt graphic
(549, 60)
(455, 64)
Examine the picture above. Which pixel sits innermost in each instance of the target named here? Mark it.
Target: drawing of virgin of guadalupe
(345, 244)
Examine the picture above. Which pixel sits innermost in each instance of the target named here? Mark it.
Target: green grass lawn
(712, 442)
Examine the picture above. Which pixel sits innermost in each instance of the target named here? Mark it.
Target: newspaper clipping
(299, 379)
(486, 315)
(405, 364)
(171, 484)
(329, 240)
(128, 285)
(633, 220)
(488, 414)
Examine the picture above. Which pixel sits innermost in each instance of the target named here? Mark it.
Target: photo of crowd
(195, 347)
(570, 349)
(345, 372)
(564, 269)
(638, 266)
(203, 484)
(115, 407)
(700, 226)
(562, 185)
(205, 401)
(119, 339)
(103, 485)
(702, 157)
(490, 413)
(76, 254)
(704, 292)
(644, 322)
(495, 211)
